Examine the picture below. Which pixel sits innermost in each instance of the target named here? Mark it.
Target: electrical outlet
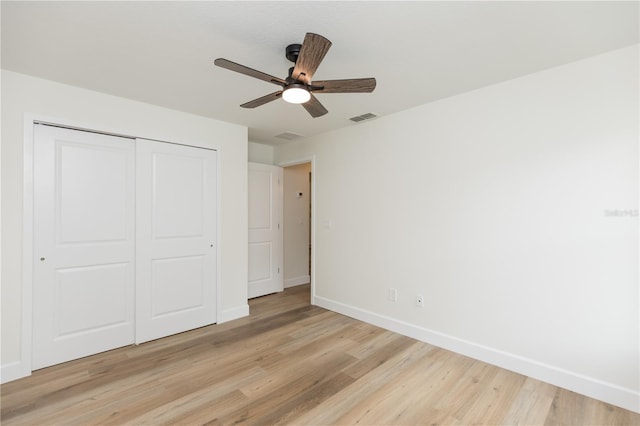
(420, 301)
(393, 294)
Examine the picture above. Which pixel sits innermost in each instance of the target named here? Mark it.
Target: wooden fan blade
(314, 107)
(353, 85)
(263, 100)
(232, 66)
(314, 48)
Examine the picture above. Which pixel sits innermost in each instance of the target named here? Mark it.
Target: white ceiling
(162, 52)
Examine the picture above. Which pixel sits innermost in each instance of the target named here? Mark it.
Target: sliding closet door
(176, 234)
(84, 231)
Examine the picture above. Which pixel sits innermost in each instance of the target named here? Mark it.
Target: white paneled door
(176, 234)
(265, 229)
(84, 243)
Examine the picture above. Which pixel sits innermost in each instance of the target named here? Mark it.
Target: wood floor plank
(372, 342)
(291, 363)
(204, 405)
(489, 406)
(382, 354)
(405, 398)
(448, 390)
(265, 403)
(311, 397)
(532, 403)
(314, 360)
(345, 401)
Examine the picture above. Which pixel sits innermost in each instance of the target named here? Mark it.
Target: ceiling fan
(297, 88)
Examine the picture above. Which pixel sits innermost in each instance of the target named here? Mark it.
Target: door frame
(302, 160)
(29, 121)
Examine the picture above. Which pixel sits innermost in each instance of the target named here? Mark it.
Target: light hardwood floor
(292, 363)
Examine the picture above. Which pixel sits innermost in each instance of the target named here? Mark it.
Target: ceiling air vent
(363, 117)
(288, 136)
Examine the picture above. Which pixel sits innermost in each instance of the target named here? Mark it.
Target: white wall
(296, 224)
(23, 94)
(492, 205)
(260, 153)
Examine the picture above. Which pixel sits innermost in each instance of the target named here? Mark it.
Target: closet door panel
(176, 234)
(84, 234)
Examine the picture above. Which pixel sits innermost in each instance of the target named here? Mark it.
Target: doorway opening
(298, 207)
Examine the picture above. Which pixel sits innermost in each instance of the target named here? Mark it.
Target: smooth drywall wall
(296, 208)
(260, 153)
(512, 209)
(23, 94)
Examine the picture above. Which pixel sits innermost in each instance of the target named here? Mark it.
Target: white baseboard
(233, 313)
(292, 282)
(12, 371)
(607, 392)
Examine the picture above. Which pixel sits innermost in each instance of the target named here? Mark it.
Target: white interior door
(176, 234)
(265, 230)
(84, 232)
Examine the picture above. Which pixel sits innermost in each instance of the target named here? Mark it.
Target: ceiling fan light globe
(296, 95)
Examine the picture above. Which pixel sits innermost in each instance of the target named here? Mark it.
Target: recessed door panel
(92, 297)
(84, 232)
(178, 203)
(261, 186)
(91, 210)
(260, 261)
(167, 298)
